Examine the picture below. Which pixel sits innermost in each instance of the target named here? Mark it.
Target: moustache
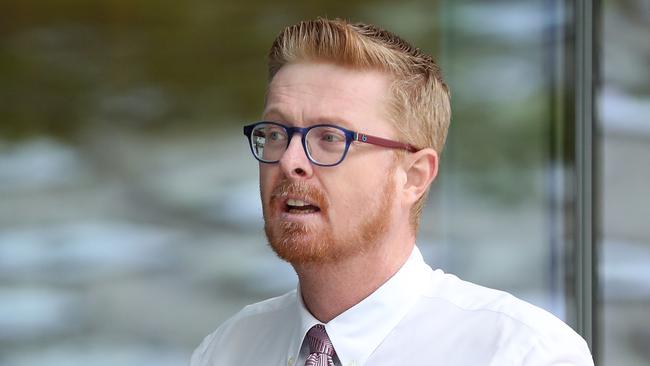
(300, 190)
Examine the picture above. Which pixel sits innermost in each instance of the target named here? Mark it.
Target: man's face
(349, 206)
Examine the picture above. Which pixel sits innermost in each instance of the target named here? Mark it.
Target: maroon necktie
(321, 350)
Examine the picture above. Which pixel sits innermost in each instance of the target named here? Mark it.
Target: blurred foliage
(67, 64)
(501, 76)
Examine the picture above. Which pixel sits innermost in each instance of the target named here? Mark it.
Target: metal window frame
(584, 82)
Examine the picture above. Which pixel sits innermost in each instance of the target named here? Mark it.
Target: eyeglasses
(324, 144)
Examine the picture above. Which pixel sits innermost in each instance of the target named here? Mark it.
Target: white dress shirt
(418, 317)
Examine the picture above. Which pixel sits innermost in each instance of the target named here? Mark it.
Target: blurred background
(130, 223)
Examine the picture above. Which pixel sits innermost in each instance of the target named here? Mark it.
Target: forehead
(309, 93)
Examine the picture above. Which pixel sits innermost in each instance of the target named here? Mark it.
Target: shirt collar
(359, 330)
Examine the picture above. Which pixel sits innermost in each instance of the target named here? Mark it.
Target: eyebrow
(274, 112)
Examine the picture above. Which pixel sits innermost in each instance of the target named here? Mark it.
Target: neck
(330, 289)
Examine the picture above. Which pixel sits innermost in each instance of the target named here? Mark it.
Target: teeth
(298, 203)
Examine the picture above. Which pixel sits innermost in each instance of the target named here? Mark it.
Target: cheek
(355, 191)
(266, 181)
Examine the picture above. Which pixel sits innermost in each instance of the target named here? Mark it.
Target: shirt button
(290, 361)
(352, 363)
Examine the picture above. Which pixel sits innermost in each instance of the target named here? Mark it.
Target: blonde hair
(419, 109)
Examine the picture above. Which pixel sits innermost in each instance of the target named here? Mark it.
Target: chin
(298, 244)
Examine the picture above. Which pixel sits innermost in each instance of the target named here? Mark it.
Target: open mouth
(296, 206)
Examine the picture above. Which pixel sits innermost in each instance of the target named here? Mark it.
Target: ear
(421, 169)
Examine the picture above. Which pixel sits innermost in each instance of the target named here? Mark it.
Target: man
(353, 127)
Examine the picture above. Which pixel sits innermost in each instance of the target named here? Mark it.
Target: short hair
(419, 108)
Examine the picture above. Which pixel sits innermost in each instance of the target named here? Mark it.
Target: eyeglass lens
(324, 144)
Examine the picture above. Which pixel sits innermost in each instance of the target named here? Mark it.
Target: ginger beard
(299, 243)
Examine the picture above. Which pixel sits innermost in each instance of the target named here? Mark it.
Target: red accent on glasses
(361, 137)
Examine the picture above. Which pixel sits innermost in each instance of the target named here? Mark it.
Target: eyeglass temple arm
(368, 139)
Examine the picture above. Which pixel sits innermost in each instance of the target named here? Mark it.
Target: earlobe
(420, 173)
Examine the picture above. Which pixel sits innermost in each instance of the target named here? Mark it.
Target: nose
(294, 162)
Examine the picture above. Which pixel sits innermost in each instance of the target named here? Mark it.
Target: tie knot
(318, 341)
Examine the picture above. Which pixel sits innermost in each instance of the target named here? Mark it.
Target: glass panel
(624, 141)
(498, 215)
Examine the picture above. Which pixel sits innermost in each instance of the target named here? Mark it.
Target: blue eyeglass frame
(350, 136)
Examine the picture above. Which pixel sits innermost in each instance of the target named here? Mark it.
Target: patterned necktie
(321, 350)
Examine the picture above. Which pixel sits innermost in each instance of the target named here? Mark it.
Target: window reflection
(624, 104)
(501, 192)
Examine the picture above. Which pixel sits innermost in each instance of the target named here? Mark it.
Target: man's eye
(331, 137)
(275, 135)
